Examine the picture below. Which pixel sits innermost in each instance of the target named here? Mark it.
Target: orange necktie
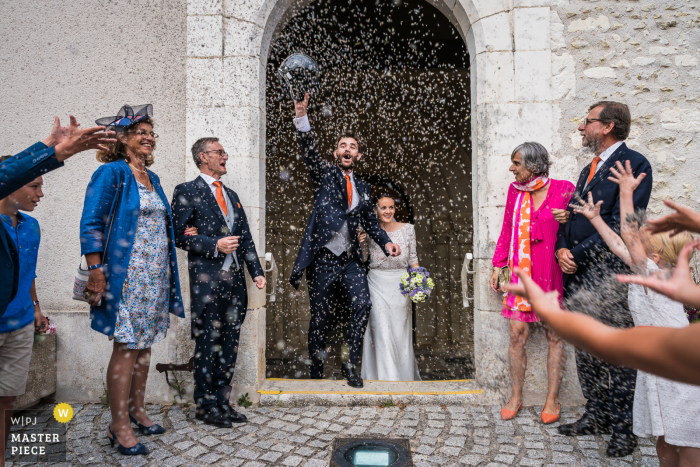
(220, 197)
(348, 186)
(594, 164)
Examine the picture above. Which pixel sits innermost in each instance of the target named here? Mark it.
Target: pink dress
(543, 234)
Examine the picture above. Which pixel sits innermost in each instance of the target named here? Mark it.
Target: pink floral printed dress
(543, 235)
(143, 319)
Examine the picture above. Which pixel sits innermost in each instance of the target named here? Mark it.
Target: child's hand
(588, 209)
(624, 177)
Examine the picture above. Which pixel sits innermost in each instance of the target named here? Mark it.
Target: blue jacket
(331, 209)
(100, 203)
(578, 234)
(16, 172)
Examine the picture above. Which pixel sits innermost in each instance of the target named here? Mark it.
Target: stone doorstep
(285, 392)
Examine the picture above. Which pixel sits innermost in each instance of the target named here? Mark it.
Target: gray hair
(535, 157)
(200, 146)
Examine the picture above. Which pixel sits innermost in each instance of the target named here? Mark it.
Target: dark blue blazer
(104, 201)
(578, 234)
(194, 205)
(16, 172)
(330, 209)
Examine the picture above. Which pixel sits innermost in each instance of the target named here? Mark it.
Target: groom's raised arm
(312, 159)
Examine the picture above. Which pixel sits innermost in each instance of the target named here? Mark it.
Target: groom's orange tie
(348, 186)
(594, 164)
(220, 197)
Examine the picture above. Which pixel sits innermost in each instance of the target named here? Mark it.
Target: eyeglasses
(587, 120)
(217, 152)
(144, 133)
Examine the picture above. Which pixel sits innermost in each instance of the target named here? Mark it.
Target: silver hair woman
(527, 241)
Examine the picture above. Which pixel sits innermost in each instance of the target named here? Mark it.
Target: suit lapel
(208, 196)
(604, 170)
(234, 207)
(361, 191)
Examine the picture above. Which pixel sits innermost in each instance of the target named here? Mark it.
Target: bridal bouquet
(417, 284)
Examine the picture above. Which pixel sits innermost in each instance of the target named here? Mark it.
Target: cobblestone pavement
(302, 436)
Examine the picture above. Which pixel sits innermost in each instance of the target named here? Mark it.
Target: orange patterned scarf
(519, 253)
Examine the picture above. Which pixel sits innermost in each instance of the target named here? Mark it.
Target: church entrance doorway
(396, 73)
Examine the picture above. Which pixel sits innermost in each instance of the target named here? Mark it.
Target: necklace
(149, 184)
(139, 171)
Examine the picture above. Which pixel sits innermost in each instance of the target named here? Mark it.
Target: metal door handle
(273, 280)
(465, 280)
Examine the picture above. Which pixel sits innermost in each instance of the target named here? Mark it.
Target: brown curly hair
(118, 151)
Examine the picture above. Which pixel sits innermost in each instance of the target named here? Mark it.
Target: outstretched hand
(683, 219)
(57, 135)
(300, 107)
(75, 140)
(544, 304)
(624, 176)
(587, 208)
(680, 286)
(393, 249)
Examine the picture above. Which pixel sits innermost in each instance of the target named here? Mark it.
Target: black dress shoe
(349, 372)
(232, 415)
(136, 450)
(621, 445)
(154, 429)
(586, 425)
(213, 416)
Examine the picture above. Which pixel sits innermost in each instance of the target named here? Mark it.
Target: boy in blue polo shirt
(23, 315)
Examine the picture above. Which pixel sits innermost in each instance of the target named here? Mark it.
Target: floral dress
(143, 319)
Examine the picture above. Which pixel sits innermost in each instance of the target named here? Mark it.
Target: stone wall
(645, 54)
(89, 58)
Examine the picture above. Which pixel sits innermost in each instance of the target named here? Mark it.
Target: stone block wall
(645, 54)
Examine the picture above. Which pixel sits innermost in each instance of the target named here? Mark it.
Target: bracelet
(35, 303)
(94, 266)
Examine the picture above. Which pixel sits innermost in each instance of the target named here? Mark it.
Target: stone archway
(510, 58)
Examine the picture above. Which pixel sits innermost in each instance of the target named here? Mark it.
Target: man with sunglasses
(585, 260)
(216, 251)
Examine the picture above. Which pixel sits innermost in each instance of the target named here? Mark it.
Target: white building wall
(89, 58)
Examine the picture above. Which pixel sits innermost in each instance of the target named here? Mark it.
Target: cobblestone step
(286, 392)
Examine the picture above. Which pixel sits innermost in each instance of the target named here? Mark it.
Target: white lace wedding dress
(387, 354)
(661, 406)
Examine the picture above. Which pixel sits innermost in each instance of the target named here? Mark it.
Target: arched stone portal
(510, 61)
(397, 74)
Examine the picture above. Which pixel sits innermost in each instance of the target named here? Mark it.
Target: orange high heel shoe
(510, 414)
(548, 418)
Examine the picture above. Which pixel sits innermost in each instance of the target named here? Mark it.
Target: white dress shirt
(230, 258)
(604, 156)
(341, 240)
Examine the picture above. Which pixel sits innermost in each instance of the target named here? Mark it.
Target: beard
(339, 161)
(593, 144)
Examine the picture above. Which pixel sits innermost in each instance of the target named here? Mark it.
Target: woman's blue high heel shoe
(136, 450)
(148, 430)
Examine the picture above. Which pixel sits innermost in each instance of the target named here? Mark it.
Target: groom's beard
(339, 163)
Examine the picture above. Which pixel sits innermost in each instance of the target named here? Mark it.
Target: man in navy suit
(609, 389)
(330, 250)
(216, 254)
(33, 162)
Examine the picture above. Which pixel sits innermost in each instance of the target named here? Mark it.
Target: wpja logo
(39, 435)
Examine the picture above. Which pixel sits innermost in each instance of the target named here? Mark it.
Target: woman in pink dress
(535, 207)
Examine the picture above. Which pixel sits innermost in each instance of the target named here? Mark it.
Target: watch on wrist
(35, 302)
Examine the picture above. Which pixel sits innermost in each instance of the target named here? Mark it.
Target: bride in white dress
(387, 354)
